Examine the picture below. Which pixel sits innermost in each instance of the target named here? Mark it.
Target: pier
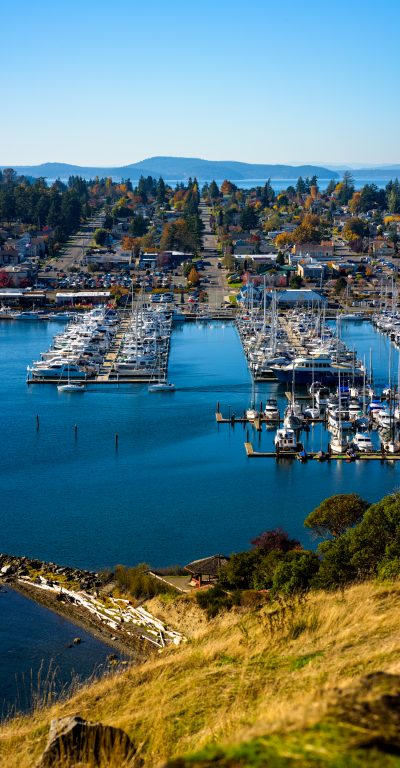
(317, 456)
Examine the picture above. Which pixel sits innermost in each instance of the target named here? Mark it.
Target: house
(311, 270)
(345, 267)
(9, 255)
(323, 250)
(206, 570)
(20, 275)
(381, 249)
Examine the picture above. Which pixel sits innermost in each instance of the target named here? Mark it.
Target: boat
(321, 396)
(70, 387)
(338, 443)
(384, 419)
(362, 442)
(58, 368)
(161, 386)
(31, 315)
(271, 411)
(251, 414)
(6, 313)
(285, 440)
(323, 367)
(392, 446)
(312, 412)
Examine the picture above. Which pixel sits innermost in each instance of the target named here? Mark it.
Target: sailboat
(252, 413)
(161, 384)
(293, 417)
(71, 386)
(338, 443)
(312, 411)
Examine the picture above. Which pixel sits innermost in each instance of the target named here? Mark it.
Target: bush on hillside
(139, 583)
(369, 549)
(215, 599)
(295, 572)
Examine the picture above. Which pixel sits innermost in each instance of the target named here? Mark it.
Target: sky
(111, 82)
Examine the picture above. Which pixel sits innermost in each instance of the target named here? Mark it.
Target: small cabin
(206, 570)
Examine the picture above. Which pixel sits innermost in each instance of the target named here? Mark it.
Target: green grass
(323, 746)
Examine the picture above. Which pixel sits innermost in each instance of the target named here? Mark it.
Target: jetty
(83, 597)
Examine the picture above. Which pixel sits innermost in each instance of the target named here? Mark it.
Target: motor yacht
(271, 411)
(285, 440)
(362, 442)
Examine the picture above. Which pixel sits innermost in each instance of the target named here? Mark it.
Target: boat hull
(328, 378)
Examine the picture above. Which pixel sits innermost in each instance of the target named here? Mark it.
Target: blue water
(35, 653)
(178, 487)
(277, 184)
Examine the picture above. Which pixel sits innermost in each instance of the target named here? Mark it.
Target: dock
(313, 456)
(260, 420)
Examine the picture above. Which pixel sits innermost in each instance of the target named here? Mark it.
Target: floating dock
(314, 456)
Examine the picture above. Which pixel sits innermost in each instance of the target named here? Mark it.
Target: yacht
(59, 369)
(384, 419)
(252, 414)
(327, 371)
(338, 443)
(362, 442)
(285, 440)
(271, 411)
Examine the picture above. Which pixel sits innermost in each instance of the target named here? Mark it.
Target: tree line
(359, 541)
(32, 202)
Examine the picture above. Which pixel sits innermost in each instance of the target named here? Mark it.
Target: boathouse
(206, 570)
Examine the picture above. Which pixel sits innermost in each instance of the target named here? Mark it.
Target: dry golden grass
(244, 674)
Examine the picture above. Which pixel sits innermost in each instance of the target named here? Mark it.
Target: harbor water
(38, 658)
(177, 486)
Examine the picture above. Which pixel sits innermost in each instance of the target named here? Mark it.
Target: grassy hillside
(253, 687)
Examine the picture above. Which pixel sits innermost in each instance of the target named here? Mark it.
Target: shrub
(275, 540)
(239, 570)
(215, 599)
(295, 572)
(139, 583)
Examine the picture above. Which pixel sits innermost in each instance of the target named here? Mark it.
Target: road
(215, 280)
(72, 253)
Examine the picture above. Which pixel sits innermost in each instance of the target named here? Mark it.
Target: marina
(104, 346)
(176, 439)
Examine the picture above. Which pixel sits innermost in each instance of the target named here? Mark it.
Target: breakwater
(87, 598)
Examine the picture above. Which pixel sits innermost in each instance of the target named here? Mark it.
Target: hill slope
(260, 682)
(179, 168)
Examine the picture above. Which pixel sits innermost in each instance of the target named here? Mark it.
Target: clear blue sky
(109, 82)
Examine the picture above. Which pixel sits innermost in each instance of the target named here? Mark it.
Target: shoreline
(87, 601)
(81, 619)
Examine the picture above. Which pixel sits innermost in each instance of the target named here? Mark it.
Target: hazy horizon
(101, 85)
(326, 164)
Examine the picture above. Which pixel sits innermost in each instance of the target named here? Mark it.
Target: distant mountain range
(181, 168)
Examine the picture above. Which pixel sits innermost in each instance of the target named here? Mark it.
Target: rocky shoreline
(85, 599)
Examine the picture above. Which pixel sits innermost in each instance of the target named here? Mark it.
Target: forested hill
(179, 168)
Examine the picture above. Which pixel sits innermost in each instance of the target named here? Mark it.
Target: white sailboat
(338, 443)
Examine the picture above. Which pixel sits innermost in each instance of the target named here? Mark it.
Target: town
(79, 243)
